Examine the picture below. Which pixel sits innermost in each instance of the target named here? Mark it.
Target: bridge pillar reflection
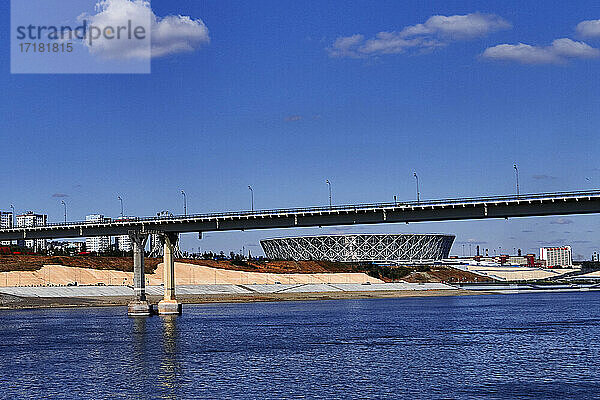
(139, 306)
(169, 304)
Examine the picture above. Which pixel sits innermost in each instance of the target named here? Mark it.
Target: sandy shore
(13, 302)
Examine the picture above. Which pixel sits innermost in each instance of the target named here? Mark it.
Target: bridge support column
(139, 306)
(169, 304)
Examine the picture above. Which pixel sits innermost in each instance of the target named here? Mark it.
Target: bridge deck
(561, 203)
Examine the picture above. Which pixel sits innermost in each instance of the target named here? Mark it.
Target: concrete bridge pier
(139, 306)
(169, 304)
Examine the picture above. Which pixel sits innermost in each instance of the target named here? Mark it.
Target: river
(527, 346)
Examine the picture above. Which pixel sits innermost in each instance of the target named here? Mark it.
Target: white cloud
(437, 31)
(571, 49)
(458, 26)
(168, 35)
(345, 46)
(559, 51)
(589, 28)
(392, 43)
(175, 34)
(521, 52)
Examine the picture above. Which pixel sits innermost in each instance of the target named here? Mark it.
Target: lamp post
(121, 200)
(251, 198)
(12, 207)
(65, 206)
(329, 186)
(517, 177)
(184, 203)
(418, 192)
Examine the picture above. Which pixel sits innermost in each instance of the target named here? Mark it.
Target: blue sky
(264, 103)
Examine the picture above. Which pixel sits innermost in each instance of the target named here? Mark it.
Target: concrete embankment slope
(513, 274)
(185, 274)
(108, 291)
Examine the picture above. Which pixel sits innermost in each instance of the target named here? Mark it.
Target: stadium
(380, 248)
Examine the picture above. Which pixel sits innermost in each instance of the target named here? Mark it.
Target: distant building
(156, 240)
(156, 245)
(380, 248)
(556, 256)
(97, 244)
(30, 219)
(6, 221)
(517, 260)
(66, 247)
(123, 243)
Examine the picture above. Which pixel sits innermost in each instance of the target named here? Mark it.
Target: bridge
(169, 227)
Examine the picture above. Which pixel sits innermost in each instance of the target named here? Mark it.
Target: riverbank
(32, 297)
(92, 296)
(13, 302)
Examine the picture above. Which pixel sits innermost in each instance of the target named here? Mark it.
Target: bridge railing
(423, 203)
(345, 207)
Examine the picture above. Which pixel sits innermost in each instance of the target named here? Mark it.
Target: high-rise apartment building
(6, 221)
(97, 244)
(123, 243)
(557, 256)
(30, 219)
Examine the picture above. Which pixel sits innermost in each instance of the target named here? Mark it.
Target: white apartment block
(123, 243)
(30, 219)
(97, 244)
(6, 221)
(557, 256)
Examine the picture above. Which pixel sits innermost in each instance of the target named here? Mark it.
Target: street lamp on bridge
(418, 192)
(121, 200)
(184, 203)
(65, 206)
(329, 185)
(517, 177)
(251, 198)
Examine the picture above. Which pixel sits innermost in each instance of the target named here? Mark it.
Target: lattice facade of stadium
(384, 248)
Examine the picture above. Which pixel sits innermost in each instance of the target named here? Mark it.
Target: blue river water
(526, 346)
